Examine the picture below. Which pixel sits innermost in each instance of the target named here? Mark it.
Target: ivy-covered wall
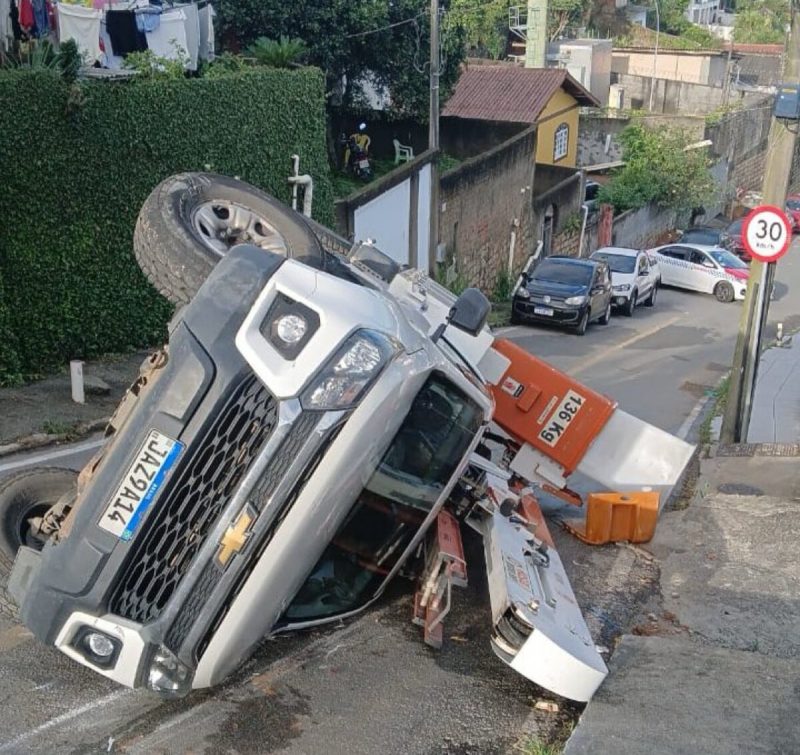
(76, 165)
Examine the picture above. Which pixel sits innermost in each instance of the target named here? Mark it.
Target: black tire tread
(172, 258)
(7, 606)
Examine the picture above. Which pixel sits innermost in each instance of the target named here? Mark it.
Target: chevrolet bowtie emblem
(235, 536)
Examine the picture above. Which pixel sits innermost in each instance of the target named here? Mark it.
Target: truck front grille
(257, 553)
(192, 502)
(258, 498)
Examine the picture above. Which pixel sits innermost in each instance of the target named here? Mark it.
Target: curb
(39, 440)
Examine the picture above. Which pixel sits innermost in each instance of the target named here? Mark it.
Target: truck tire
(21, 493)
(26, 494)
(190, 220)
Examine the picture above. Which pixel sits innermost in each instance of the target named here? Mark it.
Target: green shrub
(278, 53)
(73, 183)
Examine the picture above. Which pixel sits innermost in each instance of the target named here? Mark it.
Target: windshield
(556, 271)
(617, 263)
(793, 204)
(702, 236)
(726, 259)
(735, 227)
(409, 480)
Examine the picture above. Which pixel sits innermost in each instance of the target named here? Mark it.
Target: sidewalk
(44, 411)
(722, 674)
(776, 401)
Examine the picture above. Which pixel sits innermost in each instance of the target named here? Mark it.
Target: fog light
(100, 645)
(290, 328)
(168, 676)
(100, 649)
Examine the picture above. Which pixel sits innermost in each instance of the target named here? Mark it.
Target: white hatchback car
(703, 268)
(635, 276)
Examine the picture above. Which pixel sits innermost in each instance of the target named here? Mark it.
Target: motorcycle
(356, 157)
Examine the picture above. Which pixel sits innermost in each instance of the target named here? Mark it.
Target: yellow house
(548, 97)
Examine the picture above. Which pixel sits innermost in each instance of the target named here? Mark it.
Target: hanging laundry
(16, 29)
(169, 40)
(26, 20)
(40, 16)
(6, 29)
(192, 25)
(125, 35)
(206, 14)
(82, 25)
(148, 19)
(108, 59)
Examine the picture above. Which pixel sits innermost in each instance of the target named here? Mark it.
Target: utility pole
(655, 57)
(777, 172)
(433, 135)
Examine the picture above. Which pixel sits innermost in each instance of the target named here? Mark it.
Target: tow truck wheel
(24, 496)
(191, 220)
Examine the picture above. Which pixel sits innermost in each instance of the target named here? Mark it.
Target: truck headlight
(575, 301)
(523, 293)
(168, 676)
(346, 376)
(622, 287)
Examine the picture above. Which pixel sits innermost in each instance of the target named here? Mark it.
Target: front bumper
(562, 315)
(166, 588)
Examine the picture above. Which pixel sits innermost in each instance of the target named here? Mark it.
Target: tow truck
(321, 421)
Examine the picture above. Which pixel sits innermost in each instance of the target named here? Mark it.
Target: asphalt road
(371, 685)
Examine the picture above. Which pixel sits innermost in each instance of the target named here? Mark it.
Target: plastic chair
(402, 153)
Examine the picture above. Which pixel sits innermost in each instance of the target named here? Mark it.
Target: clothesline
(108, 30)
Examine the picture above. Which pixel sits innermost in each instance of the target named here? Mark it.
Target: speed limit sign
(767, 233)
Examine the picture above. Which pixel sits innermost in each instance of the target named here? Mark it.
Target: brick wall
(482, 201)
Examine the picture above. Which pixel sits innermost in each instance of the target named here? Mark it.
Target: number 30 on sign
(767, 233)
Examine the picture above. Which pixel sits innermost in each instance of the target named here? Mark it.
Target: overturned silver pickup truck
(316, 412)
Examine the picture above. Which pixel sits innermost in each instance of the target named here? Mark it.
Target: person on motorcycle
(361, 139)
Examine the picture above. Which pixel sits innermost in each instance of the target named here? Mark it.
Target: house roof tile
(511, 93)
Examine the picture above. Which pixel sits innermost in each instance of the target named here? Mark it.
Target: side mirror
(470, 312)
(643, 273)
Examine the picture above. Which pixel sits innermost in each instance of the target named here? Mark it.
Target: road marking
(12, 746)
(32, 460)
(593, 360)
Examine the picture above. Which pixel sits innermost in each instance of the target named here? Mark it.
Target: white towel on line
(170, 37)
(82, 25)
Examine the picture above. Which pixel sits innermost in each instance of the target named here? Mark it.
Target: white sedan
(635, 276)
(703, 268)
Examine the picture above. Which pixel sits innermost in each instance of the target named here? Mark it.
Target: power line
(385, 28)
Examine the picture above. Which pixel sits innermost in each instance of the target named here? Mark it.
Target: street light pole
(655, 58)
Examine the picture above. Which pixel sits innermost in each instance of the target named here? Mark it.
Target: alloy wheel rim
(221, 224)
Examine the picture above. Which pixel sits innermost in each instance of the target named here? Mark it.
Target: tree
(761, 21)
(658, 168)
(565, 13)
(484, 25)
(352, 42)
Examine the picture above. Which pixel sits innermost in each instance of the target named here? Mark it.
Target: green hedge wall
(75, 170)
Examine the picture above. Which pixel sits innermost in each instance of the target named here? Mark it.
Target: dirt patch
(46, 406)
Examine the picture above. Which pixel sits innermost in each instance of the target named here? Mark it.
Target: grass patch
(500, 316)
(719, 399)
(534, 747)
(59, 427)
